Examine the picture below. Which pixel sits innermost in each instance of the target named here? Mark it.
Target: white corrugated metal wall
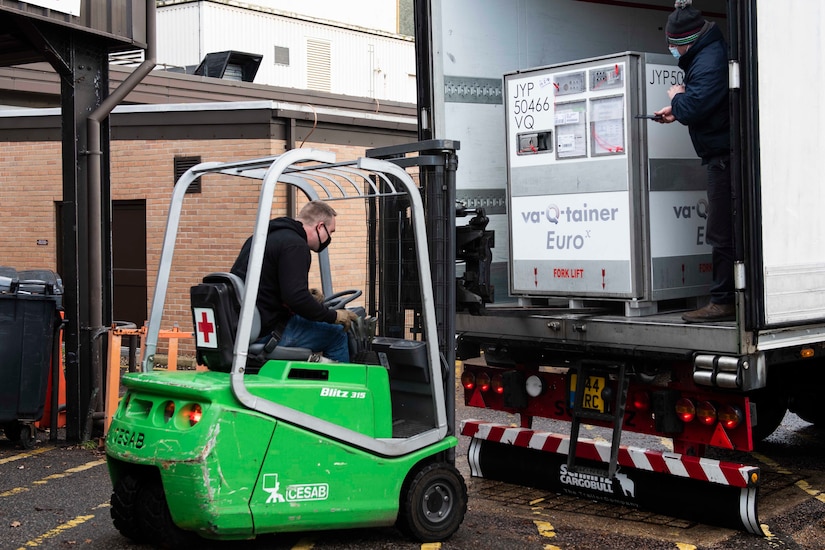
(361, 63)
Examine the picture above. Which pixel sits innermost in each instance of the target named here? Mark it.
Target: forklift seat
(216, 308)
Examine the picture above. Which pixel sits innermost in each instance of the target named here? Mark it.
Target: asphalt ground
(57, 496)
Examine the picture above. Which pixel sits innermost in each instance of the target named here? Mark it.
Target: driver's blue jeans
(317, 336)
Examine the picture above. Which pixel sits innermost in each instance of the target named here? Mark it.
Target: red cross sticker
(205, 328)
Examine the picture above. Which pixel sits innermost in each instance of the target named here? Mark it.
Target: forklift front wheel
(433, 503)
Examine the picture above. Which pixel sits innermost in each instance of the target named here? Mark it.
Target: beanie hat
(685, 24)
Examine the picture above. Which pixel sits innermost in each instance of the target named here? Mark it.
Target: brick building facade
(146, 141)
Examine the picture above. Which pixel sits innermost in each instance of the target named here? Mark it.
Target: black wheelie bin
(30, 305)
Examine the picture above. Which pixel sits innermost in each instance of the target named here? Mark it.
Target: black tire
(12, 431)
(156, 521)
(124, 509)
(27, 435)
(433, 503)
(771, 407)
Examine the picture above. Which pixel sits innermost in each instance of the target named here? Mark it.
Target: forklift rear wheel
(433, 504)
(155, 520)
(124, 509)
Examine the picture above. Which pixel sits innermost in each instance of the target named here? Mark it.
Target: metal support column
(81, 93)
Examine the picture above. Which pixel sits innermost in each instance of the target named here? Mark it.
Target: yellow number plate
(592, 398)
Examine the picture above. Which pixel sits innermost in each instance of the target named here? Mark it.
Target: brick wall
(213, 224)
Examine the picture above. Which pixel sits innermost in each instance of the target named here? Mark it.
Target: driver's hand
(345, 317)
(317, 294)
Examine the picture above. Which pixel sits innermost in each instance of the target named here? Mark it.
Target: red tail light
(641, 401)
(685, 410)
(168, 411)
(706, 413)
(497, 384)
(194, 414)
(730, 417)
(468, 380)
(483, 381)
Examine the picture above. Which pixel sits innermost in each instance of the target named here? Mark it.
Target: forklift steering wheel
(340, 299)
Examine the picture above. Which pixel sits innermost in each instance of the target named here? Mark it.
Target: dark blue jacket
(704, 105)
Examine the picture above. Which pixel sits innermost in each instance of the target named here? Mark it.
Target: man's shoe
(711, 312)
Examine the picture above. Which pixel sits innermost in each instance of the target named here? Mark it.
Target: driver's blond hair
(316, 211)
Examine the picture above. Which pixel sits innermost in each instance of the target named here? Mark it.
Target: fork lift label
(697, 489)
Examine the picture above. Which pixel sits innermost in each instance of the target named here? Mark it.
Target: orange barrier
(112, 395)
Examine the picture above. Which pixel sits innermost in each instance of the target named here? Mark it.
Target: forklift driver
(290, 313)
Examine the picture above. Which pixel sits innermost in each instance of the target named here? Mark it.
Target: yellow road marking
(12, 492)
(307, 543)
(27, 454)
(43, 481)
(802, 484)
(685, 546)
(805, 486)
(71, 524)
(545, 529)
(772, 463)
(70, 471)
(431, 546)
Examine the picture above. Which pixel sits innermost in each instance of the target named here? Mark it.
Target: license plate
(592, 398)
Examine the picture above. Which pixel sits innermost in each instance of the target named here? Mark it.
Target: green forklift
(274, 439)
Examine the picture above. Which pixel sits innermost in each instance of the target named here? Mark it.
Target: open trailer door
(783, 164)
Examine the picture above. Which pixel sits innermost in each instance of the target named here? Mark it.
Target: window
(281, 55)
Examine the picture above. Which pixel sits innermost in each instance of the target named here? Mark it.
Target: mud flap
(697, 489)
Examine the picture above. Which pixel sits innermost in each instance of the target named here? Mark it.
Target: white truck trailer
(597, 220)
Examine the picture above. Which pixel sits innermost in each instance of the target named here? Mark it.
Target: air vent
(182, 164)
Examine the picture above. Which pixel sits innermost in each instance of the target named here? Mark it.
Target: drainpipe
(94, 180)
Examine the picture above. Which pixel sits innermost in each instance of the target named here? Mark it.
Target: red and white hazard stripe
(703, 469)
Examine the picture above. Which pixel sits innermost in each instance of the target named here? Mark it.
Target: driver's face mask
(323, 244)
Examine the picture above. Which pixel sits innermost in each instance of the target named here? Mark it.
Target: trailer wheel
(771, 407)
(433, 503)
(124, 509)
(155, 520)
